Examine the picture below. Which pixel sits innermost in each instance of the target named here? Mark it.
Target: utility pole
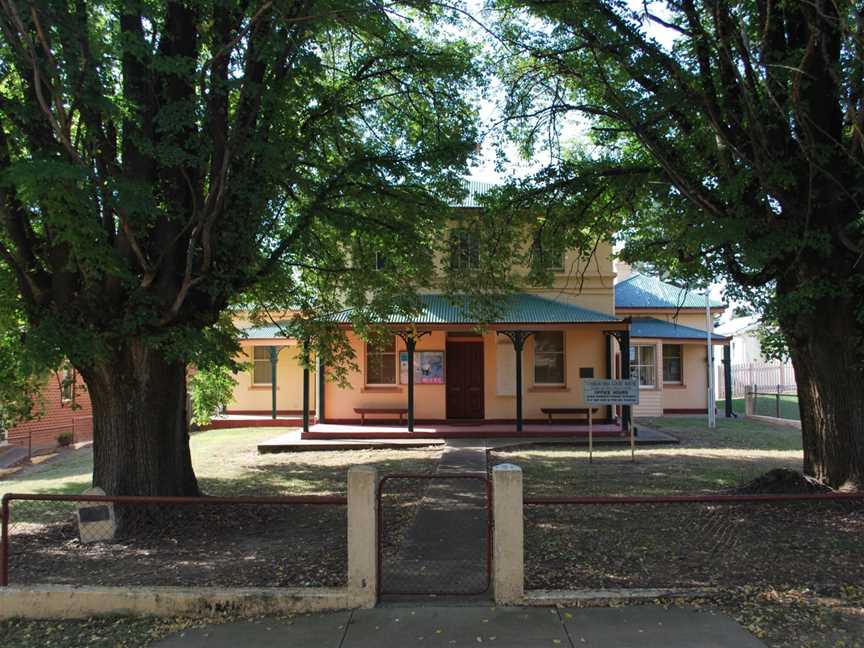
(709, 321)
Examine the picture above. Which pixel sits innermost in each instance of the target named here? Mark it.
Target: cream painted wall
(692, 395)
(692, 318)
(289, 382)
(586, 282)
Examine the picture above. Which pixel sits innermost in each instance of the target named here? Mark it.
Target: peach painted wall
(583, 348)
(429, 400)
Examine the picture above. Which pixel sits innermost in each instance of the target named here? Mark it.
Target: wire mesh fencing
(779, 402)
(434, 534)
(636, 542)
(125, 541)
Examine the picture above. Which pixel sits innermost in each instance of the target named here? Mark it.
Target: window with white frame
(262, 366)
(67, 385)
(464, 250)
(381, 362)
(643, 364)
(549, 358)
(547, 258)
(672, 363)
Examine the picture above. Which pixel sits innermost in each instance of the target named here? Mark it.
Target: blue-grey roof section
(650, 327)
(642, 291)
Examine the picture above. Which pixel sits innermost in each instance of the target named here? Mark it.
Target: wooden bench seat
(583, 411)
(402, 412)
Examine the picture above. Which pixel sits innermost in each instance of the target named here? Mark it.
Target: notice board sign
(596, 391)
(428, 367)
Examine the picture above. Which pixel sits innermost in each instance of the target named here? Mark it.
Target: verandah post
(625, 374)
(322, 385)
(274, 355)
(518, 339)
(410, 345)
(609, 370)
(305, 399)
(518, 348)
(727, 378)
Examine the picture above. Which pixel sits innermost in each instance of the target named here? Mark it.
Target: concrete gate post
(363, 535)
(508, 554)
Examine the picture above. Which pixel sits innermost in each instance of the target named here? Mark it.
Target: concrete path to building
(445, 549)
(11, 456)
(498, 627)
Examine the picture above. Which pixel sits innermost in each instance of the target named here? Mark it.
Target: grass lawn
(705, 461)
(227, 463)
(767, 406)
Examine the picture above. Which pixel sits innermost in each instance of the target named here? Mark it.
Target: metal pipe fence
(182, 541)
(694, 541)
(44, 438)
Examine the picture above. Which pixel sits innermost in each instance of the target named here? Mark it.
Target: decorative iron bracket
(412, 337)
(618, 335)
(518, 338)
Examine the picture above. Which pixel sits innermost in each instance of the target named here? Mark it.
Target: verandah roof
(650, 327)
(518, 308)
(441, 310)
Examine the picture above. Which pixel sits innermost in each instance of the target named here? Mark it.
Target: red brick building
(65, 408)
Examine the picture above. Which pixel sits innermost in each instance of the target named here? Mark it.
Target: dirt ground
(237, 545)
(232, 546)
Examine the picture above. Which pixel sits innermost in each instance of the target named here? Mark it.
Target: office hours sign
(597, 391)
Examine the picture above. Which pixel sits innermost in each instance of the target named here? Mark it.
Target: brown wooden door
(464, 380)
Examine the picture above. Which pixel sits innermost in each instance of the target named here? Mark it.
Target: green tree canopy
(161, 160)
(735, 150)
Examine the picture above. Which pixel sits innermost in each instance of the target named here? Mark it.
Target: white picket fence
(765, 376)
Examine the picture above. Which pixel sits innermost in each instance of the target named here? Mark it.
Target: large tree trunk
(825, 348)
(140, 434)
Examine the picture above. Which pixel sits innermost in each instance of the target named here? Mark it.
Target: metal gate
(434, 534)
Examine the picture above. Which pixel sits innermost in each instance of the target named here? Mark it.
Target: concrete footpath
(446, 627)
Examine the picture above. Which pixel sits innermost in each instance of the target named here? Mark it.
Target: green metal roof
(642, 291)
(265, 332)
(650, 327)
(519, 308)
